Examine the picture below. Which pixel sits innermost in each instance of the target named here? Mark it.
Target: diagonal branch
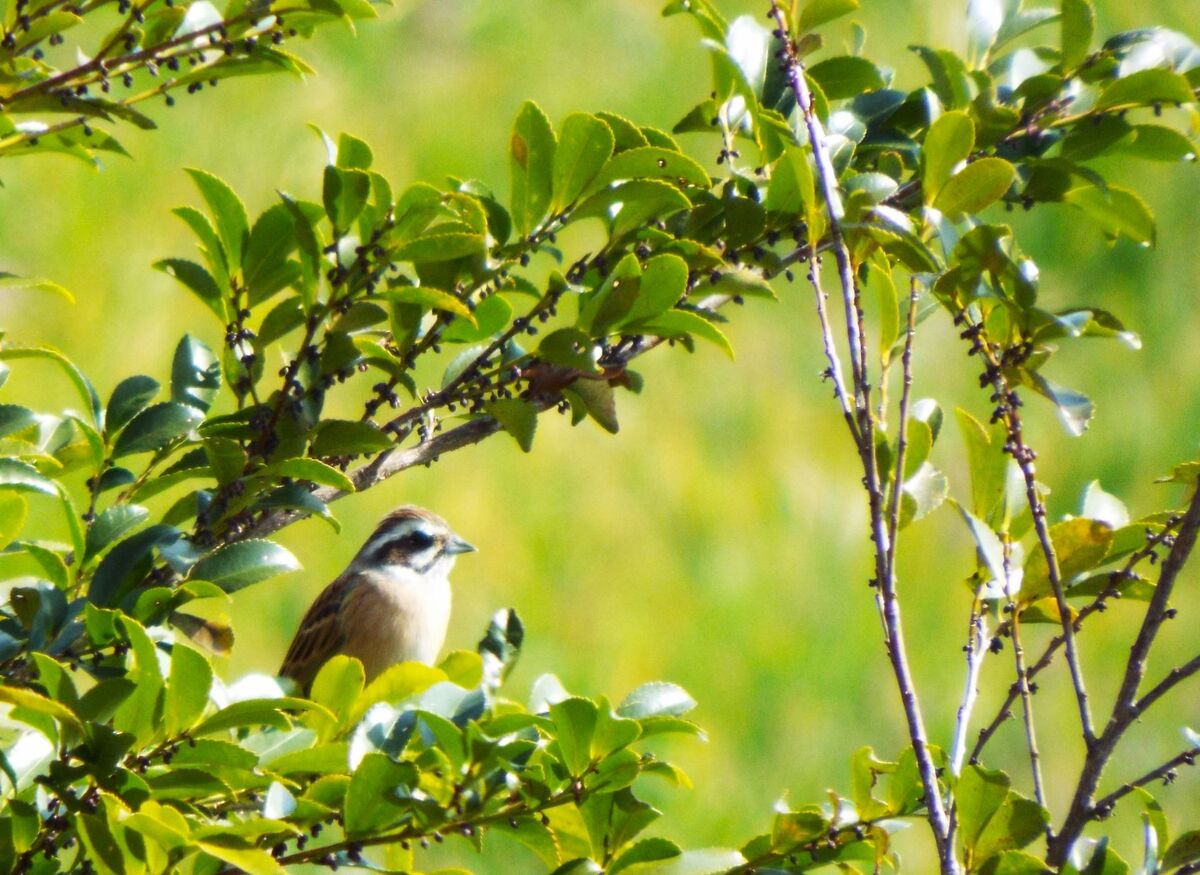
(1166, 773)
(1024, 456)
(1125, 709)
(1097, 605)
(392, 461)
(885, 579)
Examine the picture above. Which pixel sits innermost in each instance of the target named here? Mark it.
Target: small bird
(391, 604)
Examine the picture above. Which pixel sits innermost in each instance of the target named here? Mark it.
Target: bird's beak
(457, 545)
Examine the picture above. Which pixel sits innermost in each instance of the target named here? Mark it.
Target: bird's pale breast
(397, 617)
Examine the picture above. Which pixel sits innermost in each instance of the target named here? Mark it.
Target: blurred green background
(719, 541)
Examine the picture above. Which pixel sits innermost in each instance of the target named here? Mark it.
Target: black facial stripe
(424, 569)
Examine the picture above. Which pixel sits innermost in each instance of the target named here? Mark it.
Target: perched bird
(391, 604)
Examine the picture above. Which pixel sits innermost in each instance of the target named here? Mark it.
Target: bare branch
(902, 432)
(834, 371)
(1035, 760)
(1166, 773)
(391, 462)
(975, 648)
(1097, 605)
(880, 534)
(1023, 454)
(1125, 709)
(1174, 676)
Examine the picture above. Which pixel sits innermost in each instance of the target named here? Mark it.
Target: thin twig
(885, 580)
(1097, 605)
(902, 435)
(1166, 773)
(1035, 760)
(975, 648)
(1174, 676)
(834, 371)
(1125, 710)
(1023, 454)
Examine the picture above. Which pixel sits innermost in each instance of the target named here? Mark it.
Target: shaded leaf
(156, 427)
(977, 186)
(243, 563)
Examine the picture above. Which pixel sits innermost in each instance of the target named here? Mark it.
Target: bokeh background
(719, 540)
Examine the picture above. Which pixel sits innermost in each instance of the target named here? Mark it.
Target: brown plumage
(391, 604)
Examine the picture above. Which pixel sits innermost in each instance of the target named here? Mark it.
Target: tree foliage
(123, 751)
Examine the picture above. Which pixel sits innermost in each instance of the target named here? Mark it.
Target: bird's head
(411, 539)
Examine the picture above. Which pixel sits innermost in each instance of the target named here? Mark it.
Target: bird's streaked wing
(320, 636)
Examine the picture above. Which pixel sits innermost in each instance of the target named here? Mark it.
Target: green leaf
(323, 759)
(226, 458)
(344, 195)
(599, 400)
(430, 299)
(395, 684)
(651, 162)
(1145, 87)
(337, 685)
(1105, 861)
(791, 828)
(372, 800)
(979, 794)
(818, 12)
(1185, 849)
(272, 240)
(156, 427)
(1117, 212)
(198, 280)
(343, 437)
(703, 861)
(243, 563)
(1017, 823)
(792, 186)
(663, 285)
(228, 214)
(1079, 545)
(977, 186)
(112, 525)
(575, 722)
(315, 471)
(188, 684)
(296, 496)
(584, 146)
(948, 142)
(440, 246)
(127, 562)
(491, 316)
(210, 245)
(131, 397)
(1014, 863)
(257, 712)
(195, 374)
(1160, 143)
(353, 153)
(846, 76)
(676, 323)
(241, 856)
(11, 282)
(88, 394)
(531, 163)
(13, 511)
(28, 700)
(23, 477)
(517, 417)
(530, 832)
(15, 418)
(1078, 27)
(657, 699)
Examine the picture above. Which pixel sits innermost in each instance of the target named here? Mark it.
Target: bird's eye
(417, 540)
